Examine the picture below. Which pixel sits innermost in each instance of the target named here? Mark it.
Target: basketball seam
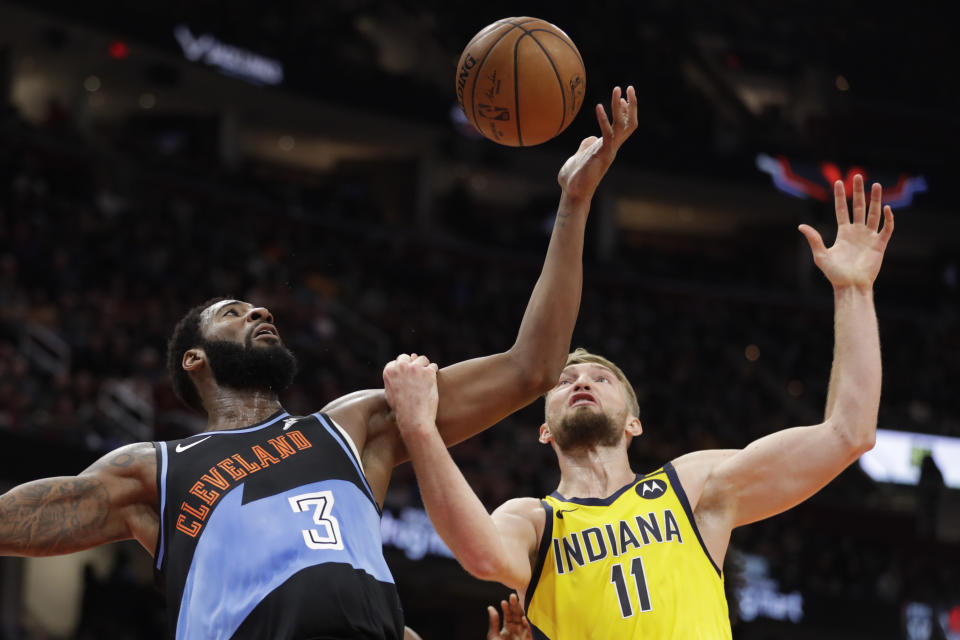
(565, 41)
(563, 94)
(486, 54)
(516, 85)
(516, 93)
(476, 74)
(516, 75)
(492, 27)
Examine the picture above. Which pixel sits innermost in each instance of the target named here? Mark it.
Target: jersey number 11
(623, 590)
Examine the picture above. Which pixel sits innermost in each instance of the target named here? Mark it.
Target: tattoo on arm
(123, 460)
(52, 516)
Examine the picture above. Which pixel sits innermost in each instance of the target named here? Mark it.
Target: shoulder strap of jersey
(682, 497)
(545, 539)
(161, 450)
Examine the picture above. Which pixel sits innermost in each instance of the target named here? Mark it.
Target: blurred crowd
(102, 251)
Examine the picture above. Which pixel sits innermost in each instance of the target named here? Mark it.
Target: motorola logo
(651, 489)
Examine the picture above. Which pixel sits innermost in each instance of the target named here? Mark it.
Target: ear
(193, 360)
(634, 428)
(545, 436)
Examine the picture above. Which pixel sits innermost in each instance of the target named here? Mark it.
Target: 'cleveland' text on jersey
(272, 532)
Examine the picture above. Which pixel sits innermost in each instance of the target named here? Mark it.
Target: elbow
(485, 567)
(483, 573)
(864, 437)
(867, 442)
(857, 438)
(536, 374)
(542, 382)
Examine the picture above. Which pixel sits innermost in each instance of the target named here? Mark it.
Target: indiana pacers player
(615, 554)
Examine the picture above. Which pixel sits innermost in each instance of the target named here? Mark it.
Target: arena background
(310, 156)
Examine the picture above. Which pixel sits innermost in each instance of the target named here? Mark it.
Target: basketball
(520, 81)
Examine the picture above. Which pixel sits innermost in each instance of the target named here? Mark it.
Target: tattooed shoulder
(127, 460)
(122, 460)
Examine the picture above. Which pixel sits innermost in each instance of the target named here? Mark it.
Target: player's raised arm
(477, 393)
(114, 499)
(494, 547)
(783, 469)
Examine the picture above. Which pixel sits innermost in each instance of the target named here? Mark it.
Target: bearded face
(268, 368)
(589, 408)
(586, 428)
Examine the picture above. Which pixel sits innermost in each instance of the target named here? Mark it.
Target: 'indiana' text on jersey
(272, 532)
(628, 566)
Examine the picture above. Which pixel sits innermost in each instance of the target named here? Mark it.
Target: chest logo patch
(651, 489)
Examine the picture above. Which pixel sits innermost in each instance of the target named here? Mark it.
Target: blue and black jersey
(272, 532)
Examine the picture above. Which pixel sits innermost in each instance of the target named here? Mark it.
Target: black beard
(585, 429)
(270, 368)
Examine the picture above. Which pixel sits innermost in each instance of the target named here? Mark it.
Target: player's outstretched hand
(582, 172)
(855, 257)
(515, 625)
(410, 383)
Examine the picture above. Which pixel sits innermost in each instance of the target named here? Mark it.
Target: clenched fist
(411, 385)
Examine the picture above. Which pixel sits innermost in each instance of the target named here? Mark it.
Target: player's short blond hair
(582, 356)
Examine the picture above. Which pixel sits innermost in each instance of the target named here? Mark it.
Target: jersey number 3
(321, 504)
(623, 589)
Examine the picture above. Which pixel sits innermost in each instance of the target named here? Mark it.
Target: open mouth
(582, 400)
(266, 330)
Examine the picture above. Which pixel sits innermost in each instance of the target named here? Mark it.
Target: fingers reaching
(859, 201)
(840, 203)
(873, 214)
(507, 618)
(623, 115)
(813, 238)
(887, 225)
(494, 630)
(606, 129)
(615, 107)
(861, 213)
(630, 109)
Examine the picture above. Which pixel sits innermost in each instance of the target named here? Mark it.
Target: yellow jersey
(632, 565)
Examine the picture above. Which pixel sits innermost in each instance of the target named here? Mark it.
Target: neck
(595, 472)
(235, 409)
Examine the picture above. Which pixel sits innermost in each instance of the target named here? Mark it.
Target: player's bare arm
(500, 547)
(783, 469)
(114, 499)
(480, 392)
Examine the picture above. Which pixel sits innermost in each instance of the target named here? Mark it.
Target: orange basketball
(520, 81)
